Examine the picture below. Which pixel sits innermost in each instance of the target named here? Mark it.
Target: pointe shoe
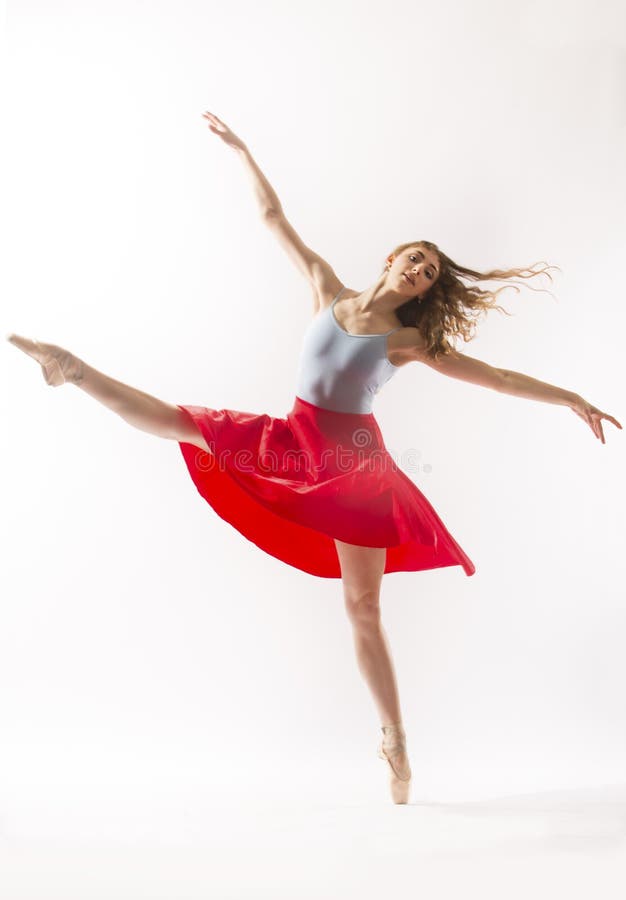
(57, 365)
(394, 742)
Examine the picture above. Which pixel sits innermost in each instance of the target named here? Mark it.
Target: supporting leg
(362, 570)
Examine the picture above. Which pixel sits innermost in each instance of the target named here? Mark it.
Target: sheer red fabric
(290, 485)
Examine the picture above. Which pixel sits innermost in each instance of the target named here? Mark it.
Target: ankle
(72, 366)
(394, 735)
(393, 728)
(77, 370)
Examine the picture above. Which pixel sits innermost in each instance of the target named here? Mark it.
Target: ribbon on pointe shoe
(397, 745)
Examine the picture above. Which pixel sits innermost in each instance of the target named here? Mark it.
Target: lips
(408, 279)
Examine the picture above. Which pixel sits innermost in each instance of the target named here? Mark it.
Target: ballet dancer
(317, 488)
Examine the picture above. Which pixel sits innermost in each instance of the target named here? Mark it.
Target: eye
(429, 272)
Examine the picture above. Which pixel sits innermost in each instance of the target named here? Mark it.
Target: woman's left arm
(520, 385)
(458, 365)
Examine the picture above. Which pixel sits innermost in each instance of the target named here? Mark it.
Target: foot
(58, 365)
(393, 749)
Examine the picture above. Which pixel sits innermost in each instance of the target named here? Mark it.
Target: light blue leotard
(339, 370)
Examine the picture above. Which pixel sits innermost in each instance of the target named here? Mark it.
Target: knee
(363, 607)
(186, 431)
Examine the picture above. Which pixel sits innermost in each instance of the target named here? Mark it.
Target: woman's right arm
(267, 198)
(268, 201)
(315, 269)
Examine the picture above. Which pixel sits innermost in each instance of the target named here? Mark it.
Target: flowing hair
(450, 308)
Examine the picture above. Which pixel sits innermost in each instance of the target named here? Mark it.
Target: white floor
(307, 838)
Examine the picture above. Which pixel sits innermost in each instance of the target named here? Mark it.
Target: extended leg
(139, 409)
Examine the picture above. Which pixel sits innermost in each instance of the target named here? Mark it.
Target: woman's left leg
(139, 409)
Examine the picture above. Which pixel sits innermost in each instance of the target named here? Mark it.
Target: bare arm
(524, 386)
(264, 192)
(266, 196)
(519, 385)
(316, 270)
(457, 365)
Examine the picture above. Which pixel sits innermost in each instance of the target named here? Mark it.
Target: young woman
(317, 489)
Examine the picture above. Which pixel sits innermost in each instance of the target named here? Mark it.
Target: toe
(23, 343)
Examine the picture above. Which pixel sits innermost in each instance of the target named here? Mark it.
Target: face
(416, 263)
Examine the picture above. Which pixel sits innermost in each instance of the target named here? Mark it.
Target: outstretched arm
(524, 386)
(266, 196)
(457, 365)
(520, 385)
(314, 267)
(264, 192)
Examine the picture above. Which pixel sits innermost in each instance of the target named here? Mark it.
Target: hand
(592, 416)
(218, 127)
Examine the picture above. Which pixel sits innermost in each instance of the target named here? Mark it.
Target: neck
(380, 298)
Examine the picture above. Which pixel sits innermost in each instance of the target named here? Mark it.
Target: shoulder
(325, 292)
(406, 345)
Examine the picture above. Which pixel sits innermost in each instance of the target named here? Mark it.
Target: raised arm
(264, 192)
(457, 365)
(315, 269)
(267, 199)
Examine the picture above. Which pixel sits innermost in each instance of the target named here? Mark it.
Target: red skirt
(290, 485)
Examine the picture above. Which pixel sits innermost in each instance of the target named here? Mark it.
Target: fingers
(597, 424)
(609, 419)
(215, 125)
(593, 417)
(593, 425)
(212, 118)
(589, 416)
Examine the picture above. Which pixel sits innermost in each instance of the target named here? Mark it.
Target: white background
(145, 646)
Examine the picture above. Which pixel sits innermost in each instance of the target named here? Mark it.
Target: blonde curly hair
(450, 309)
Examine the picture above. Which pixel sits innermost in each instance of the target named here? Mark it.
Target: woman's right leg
(139, 409)
(362, 571)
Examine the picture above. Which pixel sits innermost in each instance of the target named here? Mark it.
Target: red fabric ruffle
(290, 485)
